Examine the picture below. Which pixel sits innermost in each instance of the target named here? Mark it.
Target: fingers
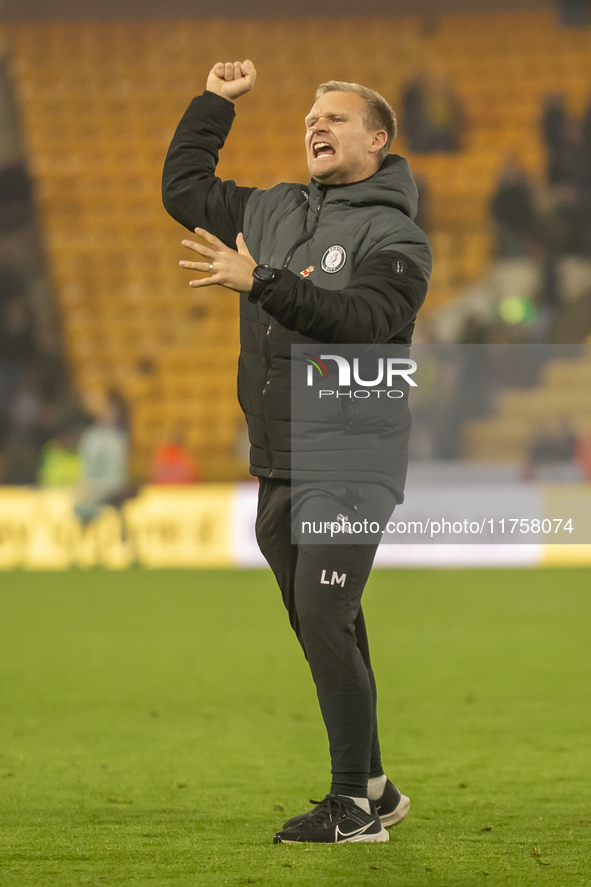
(195, 266)
(235, 70)
(204, 267)
(249, 71)
(231, 70)
(198, 248)
(211, 238)
(205, 281)
(223, 265)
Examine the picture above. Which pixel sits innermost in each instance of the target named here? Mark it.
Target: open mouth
(323, 149)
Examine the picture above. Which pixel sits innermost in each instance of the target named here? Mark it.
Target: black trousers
(322, 586)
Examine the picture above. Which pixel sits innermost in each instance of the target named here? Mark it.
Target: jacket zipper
(288, 259)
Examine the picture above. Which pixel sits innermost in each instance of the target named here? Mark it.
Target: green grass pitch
(157, 727)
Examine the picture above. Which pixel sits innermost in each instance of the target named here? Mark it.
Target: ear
(379, 140)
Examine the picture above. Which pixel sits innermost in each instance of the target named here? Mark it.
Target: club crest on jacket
(333, 259)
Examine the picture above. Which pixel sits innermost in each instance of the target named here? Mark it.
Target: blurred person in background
(414, 113)
(173, 463)
(340, 261)
(568, 146)
(120, 410)
(103, 451)
(21, 406)
(585, 172)
(553, 126)
(550, 445)
(15, 195)
(433, 113)
(564, 223)
(27, 422)
(18, 344)
(514, 212)
(566, 163)
(61, 462)
(445, 114)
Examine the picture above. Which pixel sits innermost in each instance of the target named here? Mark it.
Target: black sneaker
(392, 806)
(335, 820)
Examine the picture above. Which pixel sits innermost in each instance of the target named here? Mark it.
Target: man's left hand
(223, 266)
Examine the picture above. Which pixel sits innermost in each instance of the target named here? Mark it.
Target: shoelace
(331, 809)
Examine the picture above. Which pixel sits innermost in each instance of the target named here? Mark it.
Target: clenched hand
(231, 79)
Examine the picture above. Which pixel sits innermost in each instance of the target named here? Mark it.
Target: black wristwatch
(265, 274)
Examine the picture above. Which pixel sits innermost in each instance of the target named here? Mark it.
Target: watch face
(263, 272)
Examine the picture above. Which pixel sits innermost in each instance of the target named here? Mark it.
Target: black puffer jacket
(354, 266)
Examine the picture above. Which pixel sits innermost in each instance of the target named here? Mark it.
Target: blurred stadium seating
(560, 399)
(99, 104)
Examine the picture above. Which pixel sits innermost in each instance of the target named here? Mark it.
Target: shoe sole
(357, 839)
(365, 839)
(396, 815)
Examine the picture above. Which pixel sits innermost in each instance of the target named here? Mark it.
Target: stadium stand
(561, 399)
(99, 102)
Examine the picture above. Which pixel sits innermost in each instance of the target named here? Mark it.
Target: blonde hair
(378, 113)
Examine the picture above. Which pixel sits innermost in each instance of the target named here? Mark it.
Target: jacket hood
(392, 185)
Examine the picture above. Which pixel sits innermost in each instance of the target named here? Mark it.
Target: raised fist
(231, 79)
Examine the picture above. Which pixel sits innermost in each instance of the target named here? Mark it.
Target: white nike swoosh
(358, 831)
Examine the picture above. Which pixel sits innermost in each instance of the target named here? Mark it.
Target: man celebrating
(339, 261)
